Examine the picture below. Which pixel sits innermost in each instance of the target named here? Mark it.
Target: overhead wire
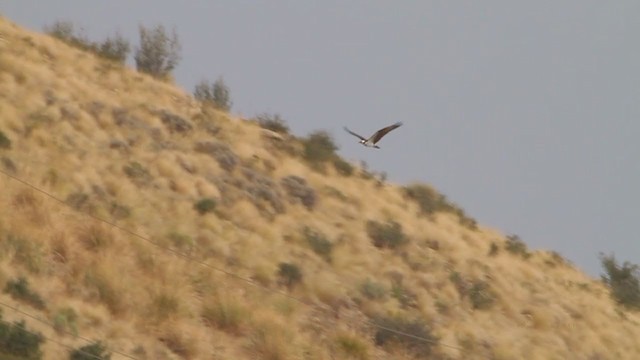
(222, 270)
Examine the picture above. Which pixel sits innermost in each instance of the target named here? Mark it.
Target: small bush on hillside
(175, 123)
(516, 246)
(273, 122)
(216, 94)
(16, 342)
(5, 142)
(204, 206)
(623, 281)
(481, 295)
(479, 292)
(289, 274)
(137, 173)
(93, 351)
(386, 235)
(318, 243)
(225, 157)
(67, 32)
(431, 202)
(158, 53)
(114, 48)
(494, 249)
(65, 321)
(373, 290)
(344, 168)
(19, 290)
(352, 346)
(227, 316)
(297, 189)
(261, 189)
(319, 148)
(420, 343)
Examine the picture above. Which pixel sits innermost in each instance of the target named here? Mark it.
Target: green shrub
(516, 246)
(19, 290)
(386, 235)
(223, 154)
(318, 243)
(158, 53)
(216, 94)
(66, 31)
(494, 249)
(373, 290)
(204, 206)
(297, 189)
(352, 346)
(623, 281)
(114, 48)
(318, 149)
(420, 343)
(5, 142)
(93, 351)
(273, 122)
(344, 168)
(227, 316)
(65, 320)
(16, 342)
(430, 202)
(289, 274)
(481, 295)
(137, 173)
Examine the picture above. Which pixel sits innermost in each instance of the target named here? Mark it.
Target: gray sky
(524, 113)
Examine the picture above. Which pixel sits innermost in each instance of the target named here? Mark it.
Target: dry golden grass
(89, 133)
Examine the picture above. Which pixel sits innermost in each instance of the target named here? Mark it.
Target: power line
(221, 270)
(89, 341)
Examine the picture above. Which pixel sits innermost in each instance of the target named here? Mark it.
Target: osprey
(371, 141)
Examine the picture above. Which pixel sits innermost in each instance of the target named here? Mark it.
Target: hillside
(166, 229)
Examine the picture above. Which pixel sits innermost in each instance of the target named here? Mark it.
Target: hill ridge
(116, 144)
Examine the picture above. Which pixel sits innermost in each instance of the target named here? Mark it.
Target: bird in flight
(371, 141)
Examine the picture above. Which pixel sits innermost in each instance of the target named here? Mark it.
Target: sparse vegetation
(215, 94)
(373, 290)
(298, 190)
(273, 122)
(318, 243)
(225, 157)
(76, 122)
(227, 316)
(158, 53)
(386, 235)
(137, 173)
(623, 281)
(5, 143)
(431, 202)
(65, 320)
(319, 148)
(204, 206)
(421, 343)
(114, 48)
(344, 168)
(289, 274)
(19, 289)
(93, 351)
(516, 246)
(18, 343)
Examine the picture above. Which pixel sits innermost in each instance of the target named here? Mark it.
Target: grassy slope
(62, 110)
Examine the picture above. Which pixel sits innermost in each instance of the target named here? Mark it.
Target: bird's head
(362, 141)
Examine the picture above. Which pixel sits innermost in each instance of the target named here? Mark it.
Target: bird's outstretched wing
(382, 132)
(354, 134)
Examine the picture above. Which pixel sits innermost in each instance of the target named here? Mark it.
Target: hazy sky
(527, 114)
